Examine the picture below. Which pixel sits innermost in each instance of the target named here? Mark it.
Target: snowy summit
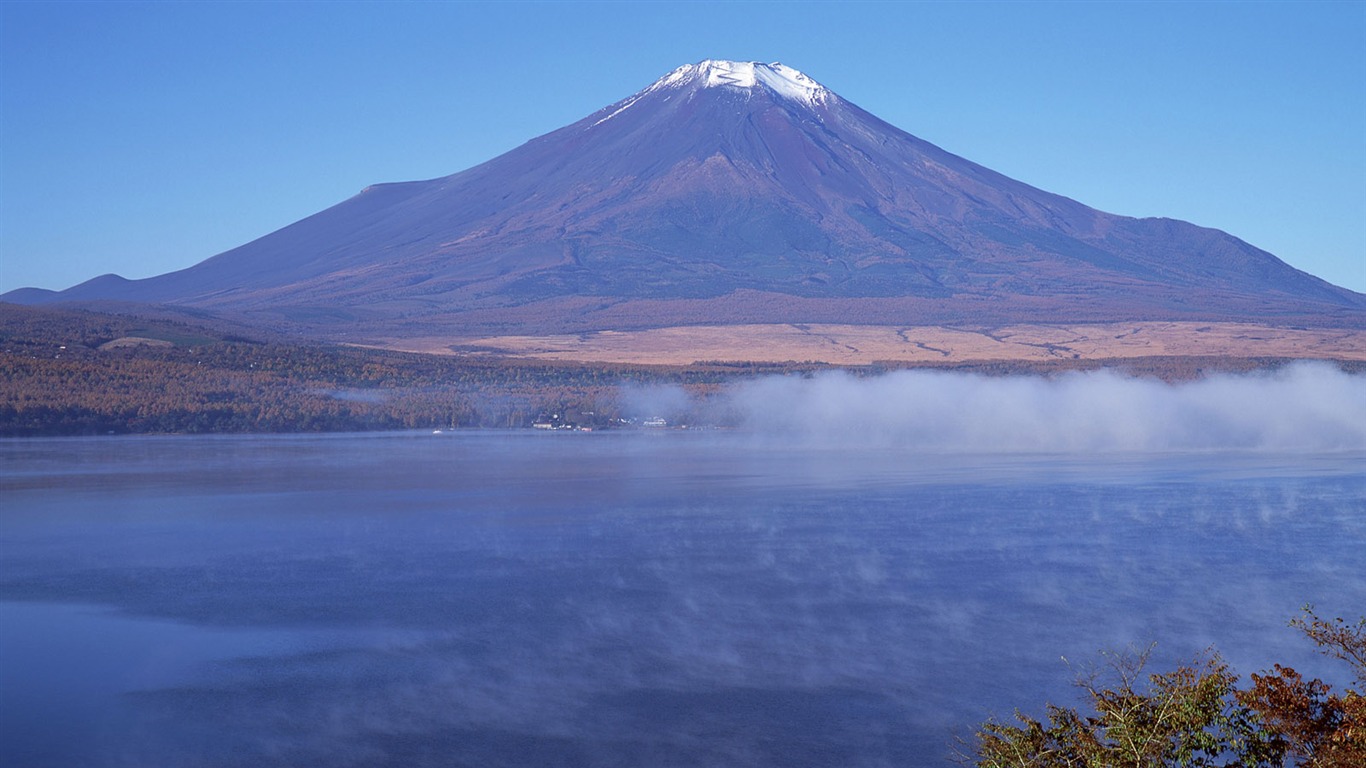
(781, 79)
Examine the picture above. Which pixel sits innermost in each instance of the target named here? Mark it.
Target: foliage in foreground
(1197, 716)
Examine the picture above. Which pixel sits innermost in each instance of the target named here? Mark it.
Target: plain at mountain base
(865, 345)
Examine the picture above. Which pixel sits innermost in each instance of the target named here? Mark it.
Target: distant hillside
(84, 373)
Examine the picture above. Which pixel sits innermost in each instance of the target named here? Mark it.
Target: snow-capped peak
(781, 79)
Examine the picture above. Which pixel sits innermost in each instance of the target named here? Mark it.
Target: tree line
(72, 372)
(61, 375)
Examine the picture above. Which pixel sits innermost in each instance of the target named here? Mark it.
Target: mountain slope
(728, 192)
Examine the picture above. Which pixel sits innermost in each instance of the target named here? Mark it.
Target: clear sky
(139, 138)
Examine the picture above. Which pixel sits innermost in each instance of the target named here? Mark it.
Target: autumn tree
(1188, 717)
(1318, 728)
(1196, 716)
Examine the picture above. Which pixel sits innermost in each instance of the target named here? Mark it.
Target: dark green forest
(75, 372)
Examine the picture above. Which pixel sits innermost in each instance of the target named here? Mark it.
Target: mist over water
(1302, 407)
(866, 569)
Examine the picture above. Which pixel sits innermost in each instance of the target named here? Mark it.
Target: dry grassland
(862, 344)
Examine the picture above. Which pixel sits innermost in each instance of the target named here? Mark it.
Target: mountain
(726, 192)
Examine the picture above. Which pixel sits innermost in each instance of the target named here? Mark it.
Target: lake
(635, 598)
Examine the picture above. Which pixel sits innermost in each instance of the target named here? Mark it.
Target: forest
(69, 372)
(77, 372)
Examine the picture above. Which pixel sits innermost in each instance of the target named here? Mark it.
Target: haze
(1306, 407)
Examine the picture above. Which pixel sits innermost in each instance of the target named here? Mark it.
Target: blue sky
(140, 138)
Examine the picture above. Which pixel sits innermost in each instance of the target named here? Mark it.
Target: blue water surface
(622, 599)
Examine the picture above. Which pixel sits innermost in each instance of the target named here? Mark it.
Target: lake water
(622, 599)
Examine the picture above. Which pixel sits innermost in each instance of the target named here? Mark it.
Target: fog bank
(1302, 407)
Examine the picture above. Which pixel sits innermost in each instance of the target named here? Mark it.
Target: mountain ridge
(726, 192)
